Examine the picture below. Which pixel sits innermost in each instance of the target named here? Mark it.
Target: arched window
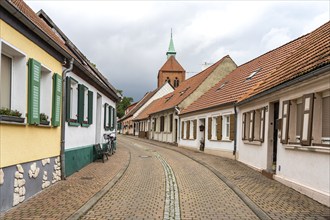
(176, 82)
(168, 80)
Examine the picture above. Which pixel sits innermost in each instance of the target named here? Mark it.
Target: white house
(291, 109)
(214, 113)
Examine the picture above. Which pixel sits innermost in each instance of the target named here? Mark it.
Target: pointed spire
(171, 50)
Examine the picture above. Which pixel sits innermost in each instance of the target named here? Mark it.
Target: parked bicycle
(110, 148)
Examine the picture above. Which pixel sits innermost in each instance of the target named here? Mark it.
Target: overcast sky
(128, 40)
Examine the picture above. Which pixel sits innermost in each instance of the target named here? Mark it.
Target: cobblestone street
(152, 180)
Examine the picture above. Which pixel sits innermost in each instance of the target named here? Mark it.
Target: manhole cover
(86, 178)
(145, 156)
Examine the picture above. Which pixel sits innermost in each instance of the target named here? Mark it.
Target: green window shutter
(90, 107)
(34, 92)
(113, 118)
(110, 118)
(81, 100)
(57, 95)
(68, 98)
(105, 116)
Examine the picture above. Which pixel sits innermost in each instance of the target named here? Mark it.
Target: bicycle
(110, 148)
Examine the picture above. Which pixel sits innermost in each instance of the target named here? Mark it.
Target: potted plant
(44, 119)
(7, 114)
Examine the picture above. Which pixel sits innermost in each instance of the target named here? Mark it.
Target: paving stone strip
(172, 207)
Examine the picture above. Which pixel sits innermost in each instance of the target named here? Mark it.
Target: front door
(275, 135)
(202, 134)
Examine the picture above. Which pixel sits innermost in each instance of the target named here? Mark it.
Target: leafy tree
(123, 104)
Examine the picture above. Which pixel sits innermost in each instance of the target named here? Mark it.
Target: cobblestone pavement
(274, 198)
(62, 199)
(141, 191)
(166, 182)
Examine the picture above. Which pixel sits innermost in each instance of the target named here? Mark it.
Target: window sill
(44, 126)
(224, 140)
(257, 143)
(84, 125)
(12, 123)
(73, 124)
(316, 149)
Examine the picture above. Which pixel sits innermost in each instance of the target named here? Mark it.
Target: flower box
(11, 118)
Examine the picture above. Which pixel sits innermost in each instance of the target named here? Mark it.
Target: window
(155, 124)
(162, 119)
(253, 74)
(5, 80)
(191, 130)
(45, 91)
(171, 122)
(225, 127)
(109, 117)
(168, 80)
(305, 120)
(187, 129)
(79, 104)
(176, 82)
(214, 128)
(13, 78)
(182, 129)
(253, 125)
(326, 119)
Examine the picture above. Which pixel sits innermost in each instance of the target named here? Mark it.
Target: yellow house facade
(30, 112)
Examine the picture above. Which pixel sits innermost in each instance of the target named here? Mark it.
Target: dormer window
(253, 74)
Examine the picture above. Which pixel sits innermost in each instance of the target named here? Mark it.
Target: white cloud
(275, 38)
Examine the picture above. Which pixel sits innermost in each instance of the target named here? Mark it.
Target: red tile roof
(174, 98)
(63, 42)
(237, 83)
(313, 53)
(171, 65)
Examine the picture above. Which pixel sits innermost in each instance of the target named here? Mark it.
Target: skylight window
(222, 85)
(183, 91)
(168, 98)
(253, 74)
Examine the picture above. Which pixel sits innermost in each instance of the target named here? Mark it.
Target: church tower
(171, 71)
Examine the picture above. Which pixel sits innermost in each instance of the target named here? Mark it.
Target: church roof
(172, 65)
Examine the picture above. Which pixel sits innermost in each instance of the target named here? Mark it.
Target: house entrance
(272, 136)
(201, 134)
(176, 131)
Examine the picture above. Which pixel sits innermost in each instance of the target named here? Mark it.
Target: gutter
(298, 79)
(62, 152)
(235, 132)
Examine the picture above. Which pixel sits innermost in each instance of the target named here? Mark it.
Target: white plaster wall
(84, 136)
(253, 154)
(164, 90)
(308, 171)
(222, 145)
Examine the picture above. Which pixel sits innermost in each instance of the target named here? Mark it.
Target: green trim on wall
(75, 124)
(77, 158)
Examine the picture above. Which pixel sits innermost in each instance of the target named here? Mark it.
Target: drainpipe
(63, 119)
(235, 134)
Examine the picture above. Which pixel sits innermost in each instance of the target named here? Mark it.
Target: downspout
(63, 118)
(235, 132)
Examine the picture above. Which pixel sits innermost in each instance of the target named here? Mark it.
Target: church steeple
(171, 50)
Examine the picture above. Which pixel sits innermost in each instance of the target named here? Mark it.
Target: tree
(123, 104)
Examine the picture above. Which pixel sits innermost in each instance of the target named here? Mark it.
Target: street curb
(97, 196)
(252, 205)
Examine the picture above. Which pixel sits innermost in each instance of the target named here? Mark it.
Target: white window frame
(214, 128)
(18, 76)
(46, 91)
(74, 99)
(191, 131)
(225, 127)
